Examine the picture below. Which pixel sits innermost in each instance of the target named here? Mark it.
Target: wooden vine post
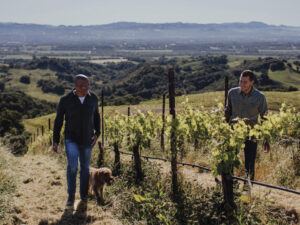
(227, 181)
(173, 137)
(101, 144)
(162, 140)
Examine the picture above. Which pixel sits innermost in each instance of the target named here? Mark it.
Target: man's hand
(55, 148)
(94, 139)
(266, 147)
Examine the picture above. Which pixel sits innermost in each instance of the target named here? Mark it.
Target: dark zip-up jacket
(82, 121)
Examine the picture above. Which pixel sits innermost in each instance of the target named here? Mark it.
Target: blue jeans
(73, 152)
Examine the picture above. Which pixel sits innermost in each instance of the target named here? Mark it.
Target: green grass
(279, 51)
(31, 125)
(287, 77)
(31, 89)
(275, 99)
(236, 60)
(210, 100)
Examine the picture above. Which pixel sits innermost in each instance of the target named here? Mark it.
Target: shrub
(29, 107)
(2, 86)
(51, 86)
(17, 143)
(10, 122)
(25, 79)
(291, 88)
(279, 65)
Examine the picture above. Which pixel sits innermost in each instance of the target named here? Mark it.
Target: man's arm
(58, 122)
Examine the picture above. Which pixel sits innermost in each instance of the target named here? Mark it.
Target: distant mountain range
(148, 32)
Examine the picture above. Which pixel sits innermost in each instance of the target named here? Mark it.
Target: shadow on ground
(71, 216)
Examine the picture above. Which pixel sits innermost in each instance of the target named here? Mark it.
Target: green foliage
(51, 86)
(18, 144)
(277, 66)
(11, 127)
(29, 107)
(2, 86)
(12, 131)
(210, 129)
(116, 129)
(129, 83)
(142, 128)
(10, 122)
(215, 60)
(149, 202)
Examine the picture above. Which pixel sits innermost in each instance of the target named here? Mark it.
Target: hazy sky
(92, 12)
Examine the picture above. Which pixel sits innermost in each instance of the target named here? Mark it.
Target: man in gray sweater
(248, 103)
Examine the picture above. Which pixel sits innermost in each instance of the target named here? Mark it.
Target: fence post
(42, 130)
(49, 128)
(227, 181)
(137, 162)
(101, 155)
(37, 132)
(49, 124)
(162, 141)
(226, 89)
(102, 117)
(101, 143)
(117, 159)
(173, 137)
(128, 135)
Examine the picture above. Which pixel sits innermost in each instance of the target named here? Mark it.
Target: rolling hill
(129, 31)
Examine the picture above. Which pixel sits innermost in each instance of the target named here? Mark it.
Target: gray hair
(81, 77)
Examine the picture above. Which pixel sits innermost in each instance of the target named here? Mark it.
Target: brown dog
(98, 179)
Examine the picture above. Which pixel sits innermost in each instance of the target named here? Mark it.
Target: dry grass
(41, 195)
(7, 185)
(107, 60)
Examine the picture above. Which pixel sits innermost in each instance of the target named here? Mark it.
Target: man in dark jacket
(79, 109)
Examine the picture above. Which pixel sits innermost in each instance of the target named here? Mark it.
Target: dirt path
(41, 195)
(288, 200)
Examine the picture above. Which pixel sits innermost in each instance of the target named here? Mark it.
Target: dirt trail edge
(41, 195)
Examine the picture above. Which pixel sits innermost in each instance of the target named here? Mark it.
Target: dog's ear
(98, 174)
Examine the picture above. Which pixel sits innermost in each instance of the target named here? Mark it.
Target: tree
(2, 86)
(277, 66)
(25, 79)
(10, 121)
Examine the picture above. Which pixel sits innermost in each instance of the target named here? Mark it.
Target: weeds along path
(280, 198)
(41, 195)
